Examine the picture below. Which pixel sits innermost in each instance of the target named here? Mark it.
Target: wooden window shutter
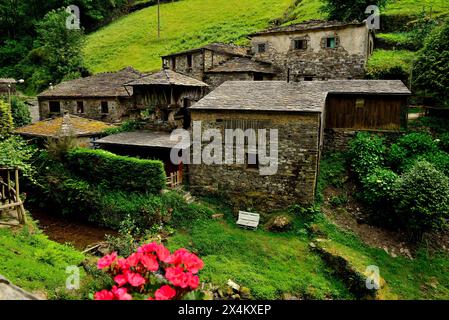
(324, 42)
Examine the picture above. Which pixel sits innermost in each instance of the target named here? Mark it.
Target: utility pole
(159, 18)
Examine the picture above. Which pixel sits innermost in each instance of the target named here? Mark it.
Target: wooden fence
(174, 179)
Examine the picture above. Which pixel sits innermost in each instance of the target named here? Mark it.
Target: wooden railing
(174, 180)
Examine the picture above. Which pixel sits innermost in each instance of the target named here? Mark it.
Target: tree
(431, 69)
(61, 47)
(349, 10)
(6, 122)
(20, 113)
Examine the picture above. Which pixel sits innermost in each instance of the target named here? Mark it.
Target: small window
(80, 107)
(261, 48)
(258, 77)
(173, 63)
(55, 106)
(360, 103)
(308, 78)
(330, 42)
(104, 107)
(300, 44)
(252, 160)
(189, 61)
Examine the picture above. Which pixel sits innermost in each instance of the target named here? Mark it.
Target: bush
(443, 142)
(20, 113)
(118, 172)
(378, 187)
(6, 122)
(367, 153)
(407, 148)
(422, 198)
(440, 160)
(432, 66)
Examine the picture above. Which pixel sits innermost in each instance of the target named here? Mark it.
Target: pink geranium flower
(135, 279)
(121, 294)
(107, 261)
(121, 279)
(150, 262)
(165, 293)
(104, 295)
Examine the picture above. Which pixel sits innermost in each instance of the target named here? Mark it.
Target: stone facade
(307, 54)
(117, 109)
(244, 187)
(215, 79)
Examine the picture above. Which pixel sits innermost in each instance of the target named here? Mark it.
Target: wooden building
(166, 97)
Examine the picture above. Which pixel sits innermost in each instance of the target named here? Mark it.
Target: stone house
(7, 86)
(101, 97)
(216, 63)
(316, 50)
(300, 113)
(166, 97)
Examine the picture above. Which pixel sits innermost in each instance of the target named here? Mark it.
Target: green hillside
(132, 40)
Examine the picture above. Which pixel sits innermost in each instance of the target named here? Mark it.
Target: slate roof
(7, 81)
(140, 139)
(290, 97)
(108, 84)
(308, 25)
(243, 64)
(167, 77)
(64, 126)
(216, 47)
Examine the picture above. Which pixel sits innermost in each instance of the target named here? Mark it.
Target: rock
(8, 291)
(280, 223)
(233, 285)
(312, 245)
(236, 297)
(288, 296)
(245, 293)
(208, 295)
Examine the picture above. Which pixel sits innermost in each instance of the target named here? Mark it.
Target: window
(104, 107)
(80, 107)
(330, 42)
(261, 48)
(308, 78)
(360, 103)
(258, 77)
(300, 44)
(173, 63)
(252, 160)
(189, 61)
(55, 106)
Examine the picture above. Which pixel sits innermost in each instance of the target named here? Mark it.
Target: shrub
(16, 153)
(408, 147)
(20, 113)
(367, 153)
(432, 66)
(440, 160)
(422, 198)
(443, 142)
(6, 122)
(118, 172)
(141, 274)
(378, 187)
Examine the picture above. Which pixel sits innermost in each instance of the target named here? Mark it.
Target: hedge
(117, 172)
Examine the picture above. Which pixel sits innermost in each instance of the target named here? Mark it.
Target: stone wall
(119, 109)
(244, 187)
(316, 62)
(337, 140)
(215, 79)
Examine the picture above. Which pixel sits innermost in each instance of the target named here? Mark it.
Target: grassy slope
(35, 263)
(132, 40)
(268, 264)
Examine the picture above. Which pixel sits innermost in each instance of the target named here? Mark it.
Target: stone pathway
(8, 291)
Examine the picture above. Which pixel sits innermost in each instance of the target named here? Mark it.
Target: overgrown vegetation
(349, 10)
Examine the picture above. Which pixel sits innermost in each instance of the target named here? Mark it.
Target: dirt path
(79, 234)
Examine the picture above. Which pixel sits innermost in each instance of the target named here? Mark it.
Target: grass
(33, 262)
(398, 37)
(132, 40)
(384, 63)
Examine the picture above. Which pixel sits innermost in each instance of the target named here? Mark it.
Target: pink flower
(106, 261)
(104, 295)
(121, 293)
(133, 259)
(150, 262)
(193, 282)
(192, 263)
(121, 280)
(165, 293)
(135, 279)
(177, 277)
(148, 248)
(163, 253)
(123, 264)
